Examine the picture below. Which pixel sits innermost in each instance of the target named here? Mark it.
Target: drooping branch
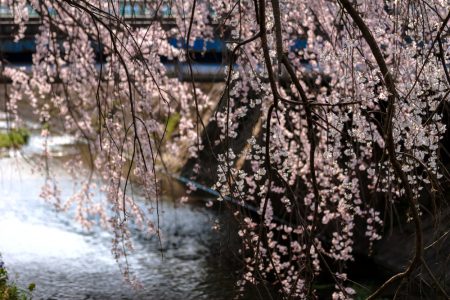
(390, 145)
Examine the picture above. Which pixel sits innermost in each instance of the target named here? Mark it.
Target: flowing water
(43, 246)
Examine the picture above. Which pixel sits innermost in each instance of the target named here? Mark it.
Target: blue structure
(23, 46)
(200, 45)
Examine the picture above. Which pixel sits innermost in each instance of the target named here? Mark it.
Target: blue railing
(200, 45)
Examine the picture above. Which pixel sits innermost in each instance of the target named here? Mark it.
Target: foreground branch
(390, 146)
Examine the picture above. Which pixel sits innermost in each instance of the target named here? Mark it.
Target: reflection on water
(65, 262)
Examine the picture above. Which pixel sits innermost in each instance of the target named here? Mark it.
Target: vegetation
(14, 138)
(10, 291)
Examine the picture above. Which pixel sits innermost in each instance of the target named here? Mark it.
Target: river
(48, 248)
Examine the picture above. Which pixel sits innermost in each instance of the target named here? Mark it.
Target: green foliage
(14, 138)
(10, 291)
(46, 126)
(31, 286)
(172, 124)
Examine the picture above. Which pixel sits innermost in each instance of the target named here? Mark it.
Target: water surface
(66, 262)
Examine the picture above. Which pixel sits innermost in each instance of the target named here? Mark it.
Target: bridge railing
(210, 55)
(129, 10)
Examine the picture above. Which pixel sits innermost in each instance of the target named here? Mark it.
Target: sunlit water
(66, 262)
